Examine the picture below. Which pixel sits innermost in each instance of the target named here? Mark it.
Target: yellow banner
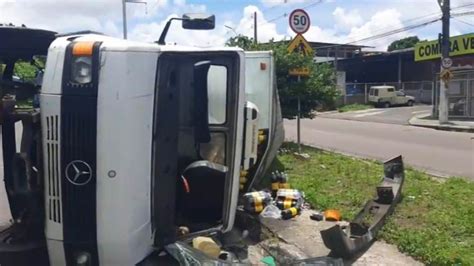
(459, 45)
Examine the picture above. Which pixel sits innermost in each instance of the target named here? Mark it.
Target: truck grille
(52, 169)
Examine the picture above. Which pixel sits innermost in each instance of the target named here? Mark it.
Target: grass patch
(434, 223)
(354, 107)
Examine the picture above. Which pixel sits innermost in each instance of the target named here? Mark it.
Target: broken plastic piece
(271, 211)
(269, 260)
(364, 228)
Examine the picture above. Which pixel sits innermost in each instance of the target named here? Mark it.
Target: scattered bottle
(290, 213)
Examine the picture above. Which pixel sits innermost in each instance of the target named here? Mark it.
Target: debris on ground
(268, 260)
(271, 211)
(207, 245)
(332, 215)
(255, 202)
(317, 216)
(364, 228)
(280, 229)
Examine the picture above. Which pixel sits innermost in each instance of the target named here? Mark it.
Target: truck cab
(138, 146)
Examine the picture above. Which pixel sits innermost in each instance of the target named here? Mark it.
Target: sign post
(299, 22)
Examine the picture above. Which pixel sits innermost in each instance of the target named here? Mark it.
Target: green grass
(434, 223)
(354, 107)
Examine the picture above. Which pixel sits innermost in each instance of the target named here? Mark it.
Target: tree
(407, 42)
(241, 41)
(318, 90)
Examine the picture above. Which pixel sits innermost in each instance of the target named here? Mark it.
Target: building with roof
(419, 79)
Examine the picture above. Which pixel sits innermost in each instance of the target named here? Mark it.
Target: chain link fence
(460, 96)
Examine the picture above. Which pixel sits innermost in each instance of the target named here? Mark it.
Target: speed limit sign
(299, 21)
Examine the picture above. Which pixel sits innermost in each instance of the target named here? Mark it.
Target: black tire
(386, 105)
(410, 103)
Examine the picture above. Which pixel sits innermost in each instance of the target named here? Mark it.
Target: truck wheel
(410, 103)
(386, 105)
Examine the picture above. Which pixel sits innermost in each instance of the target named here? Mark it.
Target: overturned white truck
(132, 141)
(134, 149)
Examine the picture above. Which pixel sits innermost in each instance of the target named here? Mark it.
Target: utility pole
(255, 27)
(444, 82)
(124, 13)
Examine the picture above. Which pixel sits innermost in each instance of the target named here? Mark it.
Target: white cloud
(61, 16)
(381, 22)
(347, 20)
(150, 32)
(265, 30)
(279, 2)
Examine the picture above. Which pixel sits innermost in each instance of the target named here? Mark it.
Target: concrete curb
(421, 121)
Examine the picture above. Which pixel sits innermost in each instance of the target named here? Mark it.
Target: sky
(339, 21)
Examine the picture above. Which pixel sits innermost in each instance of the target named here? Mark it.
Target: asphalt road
(394, 115)
(440, 153)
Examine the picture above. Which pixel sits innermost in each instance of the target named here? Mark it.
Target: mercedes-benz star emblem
(78, 173)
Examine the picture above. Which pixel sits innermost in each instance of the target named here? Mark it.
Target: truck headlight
(81, 69)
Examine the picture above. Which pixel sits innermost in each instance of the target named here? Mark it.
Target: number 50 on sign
(299, 21)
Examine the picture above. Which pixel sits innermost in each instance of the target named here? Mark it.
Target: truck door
(401, 98)
(197, 142)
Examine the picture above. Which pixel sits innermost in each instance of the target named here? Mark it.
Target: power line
(386, 34)
(375, 37)
(464, 22)
(462, 14)
(434, 18)
(317, 2)
(463, 6)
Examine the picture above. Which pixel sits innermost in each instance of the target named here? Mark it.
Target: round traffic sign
(299, 21)
(447, 62)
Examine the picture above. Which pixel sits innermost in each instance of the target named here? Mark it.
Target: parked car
(386, 96)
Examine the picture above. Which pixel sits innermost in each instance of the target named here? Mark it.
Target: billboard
(459, 45)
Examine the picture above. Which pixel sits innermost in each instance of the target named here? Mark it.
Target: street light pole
(124, 13)
(444, 82)
(124, 17)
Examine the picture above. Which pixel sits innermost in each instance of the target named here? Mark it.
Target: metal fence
(460, 96)
(359, 92)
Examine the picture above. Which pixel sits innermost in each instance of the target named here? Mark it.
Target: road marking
(364, 111)
(369, 114)
(423, 111)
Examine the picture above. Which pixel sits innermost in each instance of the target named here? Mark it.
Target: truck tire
(386, 105)
(410, 103)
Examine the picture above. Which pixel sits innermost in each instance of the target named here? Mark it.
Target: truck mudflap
(364, 228)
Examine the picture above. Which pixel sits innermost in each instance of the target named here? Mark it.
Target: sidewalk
(452, 125)
(300, 238)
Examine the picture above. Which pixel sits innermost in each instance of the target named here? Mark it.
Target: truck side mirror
(198, 22)
(190, 22)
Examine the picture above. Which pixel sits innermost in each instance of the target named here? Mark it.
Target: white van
(386, 96)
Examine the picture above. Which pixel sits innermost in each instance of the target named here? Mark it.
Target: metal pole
(298, 122)
(399, 72)
(255, 27)
(366, 98)
(444, 84)
(124, 17)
